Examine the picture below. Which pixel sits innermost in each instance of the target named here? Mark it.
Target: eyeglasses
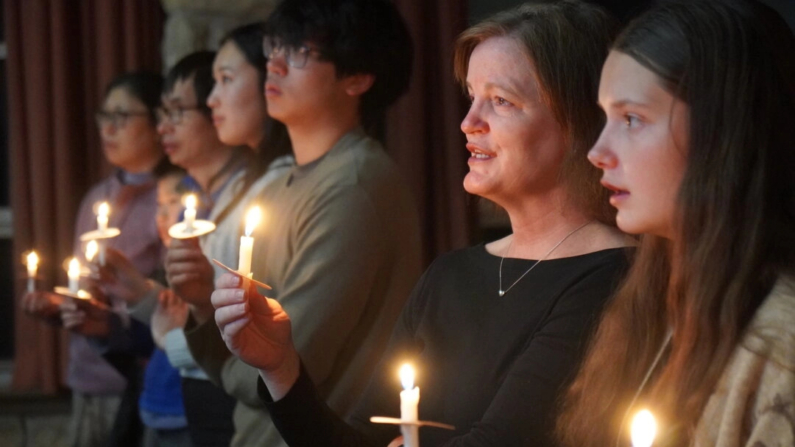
(173, 114)
(295, 57)
(117, 118)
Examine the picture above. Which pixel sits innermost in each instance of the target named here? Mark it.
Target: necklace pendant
(502, 292)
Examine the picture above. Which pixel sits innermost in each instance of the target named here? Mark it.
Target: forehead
(182, 93)
(625, 80)
(121, 98)
(502, 61)
(229, 57)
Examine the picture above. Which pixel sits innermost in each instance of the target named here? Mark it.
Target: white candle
(247, 242)
(91, 250)
(33, 267)
(190, 212)
(74, 275)
(102, 216)
(409, 401)
(644, 429)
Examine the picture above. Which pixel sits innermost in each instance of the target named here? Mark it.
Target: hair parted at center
(358, 37)
(731, 62)
(567, 43)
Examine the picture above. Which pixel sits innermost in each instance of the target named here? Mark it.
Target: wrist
(280, 380)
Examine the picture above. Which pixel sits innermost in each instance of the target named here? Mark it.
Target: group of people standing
(670, 286)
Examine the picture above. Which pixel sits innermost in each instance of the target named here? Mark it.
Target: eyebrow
(624, 103)
(492, 85)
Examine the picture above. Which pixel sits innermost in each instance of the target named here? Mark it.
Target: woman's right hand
(258, 331)
(119, 278)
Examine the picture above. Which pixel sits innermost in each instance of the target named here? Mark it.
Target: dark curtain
(422, 131)
(60, 55)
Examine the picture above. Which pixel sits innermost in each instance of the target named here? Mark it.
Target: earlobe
(359, 84)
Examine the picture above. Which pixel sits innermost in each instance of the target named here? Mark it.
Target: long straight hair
(731, 62)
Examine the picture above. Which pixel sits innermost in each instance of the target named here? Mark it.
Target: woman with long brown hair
(698, 149)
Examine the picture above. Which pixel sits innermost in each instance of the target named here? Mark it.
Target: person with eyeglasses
(127, 126)
(341, 247)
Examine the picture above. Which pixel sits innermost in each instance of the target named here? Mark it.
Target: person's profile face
(299, 95)
(187, 134)
(643, 146)
(515, 143)
(126, 129)
(237, 101)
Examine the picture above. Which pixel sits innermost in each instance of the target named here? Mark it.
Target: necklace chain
(502, 258)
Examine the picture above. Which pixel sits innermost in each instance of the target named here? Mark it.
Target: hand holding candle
(190, 212)
(32, 261)
(247, 242)
(644, 429)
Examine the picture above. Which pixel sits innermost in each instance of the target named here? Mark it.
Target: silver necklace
(502, 258)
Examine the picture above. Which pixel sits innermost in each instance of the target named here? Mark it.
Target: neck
(204, 172)
(538, 223)
(256, 140)
(313, 138)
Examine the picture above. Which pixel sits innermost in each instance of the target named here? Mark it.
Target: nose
(164, 126)
(277, 64)
(107, 128)
(212, 100)
(600, 154)
(473, 121)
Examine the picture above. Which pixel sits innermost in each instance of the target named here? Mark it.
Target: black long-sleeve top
(494, 367)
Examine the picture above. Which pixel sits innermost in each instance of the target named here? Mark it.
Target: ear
(358, 84)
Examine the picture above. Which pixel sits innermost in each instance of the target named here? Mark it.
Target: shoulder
(771, 332)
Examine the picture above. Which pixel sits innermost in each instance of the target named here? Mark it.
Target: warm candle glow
(407, 376)
(643, 430)
(92, 248)
(253, 218)
(190, 201)
(32, 264)
(74, 275)
(102, 216)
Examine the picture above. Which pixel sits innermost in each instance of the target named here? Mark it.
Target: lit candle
(247, 242)
(74, 275)
(33, 267)
(102, 216)
(644, 429)
(409, 400)
(190, 212)
(91, 250)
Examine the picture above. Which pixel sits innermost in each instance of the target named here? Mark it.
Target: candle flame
(92, 248)
(644, 429)
(74, 268)
(190, 201)
(33, 260)
(253, 217)
(104, 209)
(407, 376)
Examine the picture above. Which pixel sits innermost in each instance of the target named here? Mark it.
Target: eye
(500, 101)
(225, 79)
(631, 120)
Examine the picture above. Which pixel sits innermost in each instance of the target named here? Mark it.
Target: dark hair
(567, 43)
(731, 62)
(199, 67)
(248, 39)
(358, 37)
(143, 85)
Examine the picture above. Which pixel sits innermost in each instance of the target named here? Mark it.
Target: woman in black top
(497, 330)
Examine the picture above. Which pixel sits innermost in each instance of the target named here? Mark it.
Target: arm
(326, 287)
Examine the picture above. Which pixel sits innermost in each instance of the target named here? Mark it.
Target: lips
(272, 90)
(217, 120)
(478, 153)
(618, 194)
(169, 148)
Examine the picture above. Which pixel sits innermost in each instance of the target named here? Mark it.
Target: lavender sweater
(133, 202)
